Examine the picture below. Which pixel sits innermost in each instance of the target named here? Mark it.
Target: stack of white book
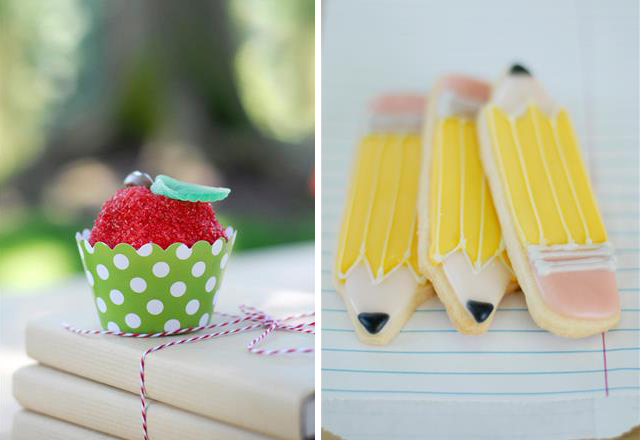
(87, 387)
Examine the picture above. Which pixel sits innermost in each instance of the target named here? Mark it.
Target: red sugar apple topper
(164, 211)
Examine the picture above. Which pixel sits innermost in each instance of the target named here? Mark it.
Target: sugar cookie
(460, 244)
(550, 221)
(376, 268)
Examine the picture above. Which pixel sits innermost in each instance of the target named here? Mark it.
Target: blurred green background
(212, 92)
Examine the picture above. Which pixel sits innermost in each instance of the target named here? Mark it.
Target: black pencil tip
(373, 322)
(519, 69)
(480, 310)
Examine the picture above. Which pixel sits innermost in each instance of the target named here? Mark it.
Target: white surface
(281, 268)
(562, 419)
(507, 383)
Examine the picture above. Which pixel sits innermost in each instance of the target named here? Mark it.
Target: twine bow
(260, 319)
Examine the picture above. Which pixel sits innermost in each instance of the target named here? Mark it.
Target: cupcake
(156, 255)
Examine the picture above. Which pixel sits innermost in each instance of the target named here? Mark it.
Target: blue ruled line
(507, 352)
(451, 330)
(512, 309)
(476, 373)
(470, 393)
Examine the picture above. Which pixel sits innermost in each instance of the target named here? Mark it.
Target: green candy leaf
(190, 192)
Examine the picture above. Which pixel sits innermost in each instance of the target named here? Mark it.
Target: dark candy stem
(138, 178)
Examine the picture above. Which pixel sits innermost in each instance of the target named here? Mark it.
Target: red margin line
(606, 373)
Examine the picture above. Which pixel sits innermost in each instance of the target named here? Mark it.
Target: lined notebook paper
(516, 378)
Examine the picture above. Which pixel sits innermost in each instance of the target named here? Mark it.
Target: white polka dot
(211, 283)
(138, 285)
(178, 288)
(198, 269)
(116, 297)
(161, 269)
(113, 327)
(120, 261)
(171, 325)
(132, 320)
(223, 261)
(103, 272)
(145, 250)
(183, 252)
(228, 231)
(192, 307)
(89, 278)
(217, 246)
(101, 305)
(155, 307)
(81, 252)
(88, 247)
(215, 298)
(233, 239)
(204, 320)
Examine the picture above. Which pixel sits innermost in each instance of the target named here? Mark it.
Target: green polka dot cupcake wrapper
(151, 290)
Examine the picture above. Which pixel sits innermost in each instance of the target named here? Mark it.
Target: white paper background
(514, 381)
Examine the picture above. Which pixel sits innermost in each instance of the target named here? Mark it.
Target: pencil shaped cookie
(552, 228)
(376, 270)
(460, 243)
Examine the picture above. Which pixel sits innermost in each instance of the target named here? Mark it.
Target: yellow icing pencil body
(550, 220)
(460, 242)
(376, 268)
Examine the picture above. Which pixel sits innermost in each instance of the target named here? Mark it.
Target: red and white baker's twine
(260, 319)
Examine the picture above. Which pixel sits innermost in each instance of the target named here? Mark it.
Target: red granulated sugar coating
(137, 216)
